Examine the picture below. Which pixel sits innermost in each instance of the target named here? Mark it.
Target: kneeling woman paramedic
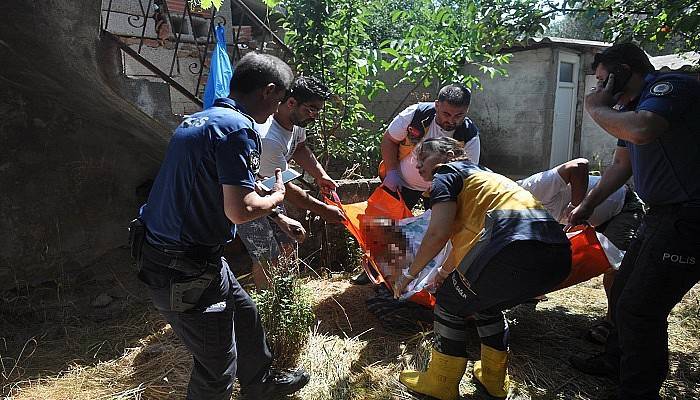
(506, 249)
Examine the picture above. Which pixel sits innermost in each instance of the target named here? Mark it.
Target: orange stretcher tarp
(588, 256)
(380, 204)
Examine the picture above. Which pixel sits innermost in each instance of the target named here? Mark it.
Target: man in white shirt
(283, 138)
(563, 187)
(446, 116)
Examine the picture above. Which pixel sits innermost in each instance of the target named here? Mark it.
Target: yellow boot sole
(420, 382)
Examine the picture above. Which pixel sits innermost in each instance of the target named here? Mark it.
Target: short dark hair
(624, 53)
(309, 88)
(256, 70)
(455, 94)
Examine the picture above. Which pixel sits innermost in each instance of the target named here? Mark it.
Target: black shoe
(276, 383)
(598, 365)
(598, 333)
(360, 279)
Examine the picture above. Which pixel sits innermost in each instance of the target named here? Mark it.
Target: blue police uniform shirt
(214, 147)
(665, 170)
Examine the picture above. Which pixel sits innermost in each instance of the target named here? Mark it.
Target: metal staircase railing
(183, 32)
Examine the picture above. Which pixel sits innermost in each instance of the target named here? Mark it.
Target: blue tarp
(220, 70)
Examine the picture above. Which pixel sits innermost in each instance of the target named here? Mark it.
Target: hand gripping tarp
(220, 70)
(380, 205)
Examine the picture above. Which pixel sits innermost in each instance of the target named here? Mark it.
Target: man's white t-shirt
(278, 145)
(555, 195)
(398, 131)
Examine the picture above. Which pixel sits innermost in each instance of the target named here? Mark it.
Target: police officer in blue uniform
(205, 183)
(656, 119)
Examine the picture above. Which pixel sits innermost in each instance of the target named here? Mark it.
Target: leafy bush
(286, 312)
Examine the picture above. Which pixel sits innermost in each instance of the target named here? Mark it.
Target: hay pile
(351, 357)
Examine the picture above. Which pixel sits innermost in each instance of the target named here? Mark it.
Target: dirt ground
(98, 338)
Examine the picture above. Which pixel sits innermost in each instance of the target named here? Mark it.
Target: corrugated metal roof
(689, 61)
(677, 62)
(565, 41)
(531, 43)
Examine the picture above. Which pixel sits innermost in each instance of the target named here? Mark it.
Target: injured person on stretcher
(393, 246)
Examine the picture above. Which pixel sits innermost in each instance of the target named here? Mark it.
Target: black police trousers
(223, 332)
(661, 266)
(522, 270)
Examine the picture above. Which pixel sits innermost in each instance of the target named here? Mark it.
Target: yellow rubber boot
(492, 371)
(441, 380)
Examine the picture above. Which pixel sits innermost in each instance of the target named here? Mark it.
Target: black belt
(200, 258)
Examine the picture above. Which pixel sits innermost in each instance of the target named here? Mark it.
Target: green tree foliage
(662, 23)
(206, 4)
(347, 42)
(440, 37)
(576, 26)
(329, 41)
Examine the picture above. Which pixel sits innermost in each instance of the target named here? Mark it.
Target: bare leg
(608, 279)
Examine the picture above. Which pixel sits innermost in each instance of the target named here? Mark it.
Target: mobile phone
(287, 176)
(622, 76)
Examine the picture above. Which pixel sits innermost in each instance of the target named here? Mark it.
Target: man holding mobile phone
(284, 139)
(656, 119)
(205, 184)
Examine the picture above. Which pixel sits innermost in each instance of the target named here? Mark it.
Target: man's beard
(304, 123)
(447, 127)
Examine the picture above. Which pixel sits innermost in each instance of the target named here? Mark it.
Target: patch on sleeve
(661, 88)
(254, 162)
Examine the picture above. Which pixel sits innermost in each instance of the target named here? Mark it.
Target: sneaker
(276, 383)
(598, 365)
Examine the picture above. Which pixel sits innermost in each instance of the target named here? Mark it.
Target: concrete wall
(514, 114)
(387, 104)
(75, 149)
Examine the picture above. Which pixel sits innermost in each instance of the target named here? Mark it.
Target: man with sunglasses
(284, 139)
(656, 119)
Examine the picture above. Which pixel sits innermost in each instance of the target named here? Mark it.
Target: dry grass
(351, 357)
